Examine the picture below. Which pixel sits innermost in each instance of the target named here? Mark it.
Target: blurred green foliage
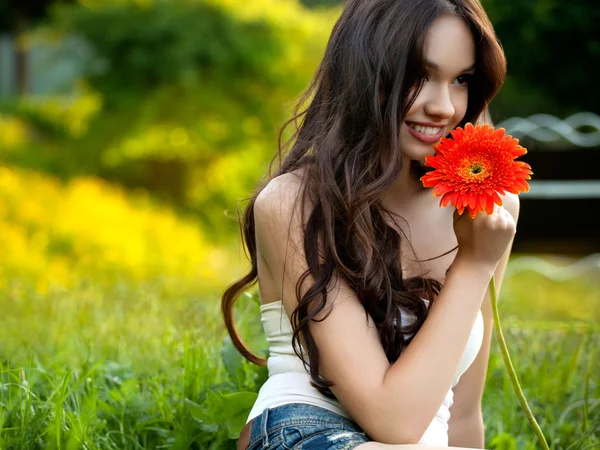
(552, 49)
(320, 3)
(191, 92)
(140, 48)
(15, 13)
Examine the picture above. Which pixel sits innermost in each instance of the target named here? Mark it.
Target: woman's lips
(427, 138)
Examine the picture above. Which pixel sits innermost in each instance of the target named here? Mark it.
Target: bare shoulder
(277, 207)
(278, 198)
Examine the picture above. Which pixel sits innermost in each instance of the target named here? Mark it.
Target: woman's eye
(425, 76)
(464, 80)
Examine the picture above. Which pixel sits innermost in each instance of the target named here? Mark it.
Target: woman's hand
(484, 239)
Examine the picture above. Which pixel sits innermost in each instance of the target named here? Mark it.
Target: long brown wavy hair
(347, 140)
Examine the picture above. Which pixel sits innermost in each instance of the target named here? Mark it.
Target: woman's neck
(407, 187)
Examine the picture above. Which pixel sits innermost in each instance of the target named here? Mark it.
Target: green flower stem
(511, 370)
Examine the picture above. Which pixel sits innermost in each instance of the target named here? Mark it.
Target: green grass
(123, 365)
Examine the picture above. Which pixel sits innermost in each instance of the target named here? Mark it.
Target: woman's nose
(440, 104)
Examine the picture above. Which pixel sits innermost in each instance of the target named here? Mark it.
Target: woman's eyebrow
(434, 66)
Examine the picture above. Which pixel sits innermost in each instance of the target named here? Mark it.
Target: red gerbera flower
(473, 168)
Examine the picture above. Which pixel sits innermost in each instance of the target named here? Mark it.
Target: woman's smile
(426, 133)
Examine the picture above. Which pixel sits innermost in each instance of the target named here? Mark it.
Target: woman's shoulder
(278, 201)
(284, 185)
(277, 207)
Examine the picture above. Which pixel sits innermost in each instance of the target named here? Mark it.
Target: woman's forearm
(467, 432)
(415, 385)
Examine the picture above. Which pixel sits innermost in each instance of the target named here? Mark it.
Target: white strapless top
(289, 382)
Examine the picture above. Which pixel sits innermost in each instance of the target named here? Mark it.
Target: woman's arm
(466, 419)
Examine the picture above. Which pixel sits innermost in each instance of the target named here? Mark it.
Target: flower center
(475, 171)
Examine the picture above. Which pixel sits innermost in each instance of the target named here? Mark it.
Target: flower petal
(489, 207)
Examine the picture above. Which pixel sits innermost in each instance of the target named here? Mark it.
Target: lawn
(131, 365)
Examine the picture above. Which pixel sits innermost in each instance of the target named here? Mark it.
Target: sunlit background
(130, 133)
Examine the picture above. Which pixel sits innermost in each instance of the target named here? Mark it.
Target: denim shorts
(298, 426)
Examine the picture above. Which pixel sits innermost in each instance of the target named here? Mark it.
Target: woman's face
(442, 102)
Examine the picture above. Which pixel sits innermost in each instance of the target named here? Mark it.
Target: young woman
(374, 298)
